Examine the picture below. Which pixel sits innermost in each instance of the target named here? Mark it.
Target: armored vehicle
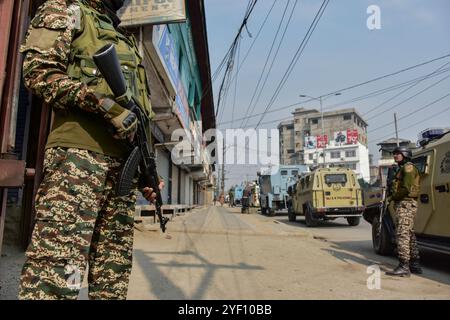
(432, 223)
(273, 187)
(326, 194)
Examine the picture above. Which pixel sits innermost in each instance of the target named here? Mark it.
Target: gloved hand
(123, 120)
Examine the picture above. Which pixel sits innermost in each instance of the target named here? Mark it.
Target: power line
(411, 97)
(411, 113)
(412, 125)
(273, 59)
(403, 91)
(388, 89)
(230, 55)
(377, 92)
(296, 57)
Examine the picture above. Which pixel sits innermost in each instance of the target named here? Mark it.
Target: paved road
(218, 253)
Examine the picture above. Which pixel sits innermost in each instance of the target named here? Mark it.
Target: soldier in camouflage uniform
(406, 187)
(79, 219)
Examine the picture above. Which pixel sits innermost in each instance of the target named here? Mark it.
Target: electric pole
(223, 170)
(396, 129)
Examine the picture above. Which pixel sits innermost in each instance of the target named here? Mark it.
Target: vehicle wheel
(310, 221)
(271, 212)
(291, 214)
(353, 221)
(381, 242)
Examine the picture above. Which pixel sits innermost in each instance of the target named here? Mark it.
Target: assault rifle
(141, 156)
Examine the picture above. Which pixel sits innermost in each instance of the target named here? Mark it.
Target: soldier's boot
(402, 270)
(415, 267)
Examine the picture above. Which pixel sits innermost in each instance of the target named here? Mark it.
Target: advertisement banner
(322, 141)
(340, 137)
(352, 136)
(310, 142)
(138, 12)
(167, 51)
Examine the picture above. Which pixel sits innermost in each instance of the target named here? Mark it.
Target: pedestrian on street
(80, 220)
(405, 192)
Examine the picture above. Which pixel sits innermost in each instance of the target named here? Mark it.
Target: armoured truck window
(284, 172)
(295, 173)
(336, 178)
(421, 164)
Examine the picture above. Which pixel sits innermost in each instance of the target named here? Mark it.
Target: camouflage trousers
(79, 223)
(406, 239)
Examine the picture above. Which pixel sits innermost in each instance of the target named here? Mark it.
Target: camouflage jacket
(47, 52)
(406, 183)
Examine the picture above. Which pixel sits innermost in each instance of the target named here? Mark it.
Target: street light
(320, 99)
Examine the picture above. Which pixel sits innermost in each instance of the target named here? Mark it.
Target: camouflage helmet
(405, 151)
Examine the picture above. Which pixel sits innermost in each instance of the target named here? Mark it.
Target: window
(315, 121)
(335, 178)
(335, 154)
(351, 166)
(295, 173)
(350, 153)
(284, 172)
(347, 117)
(290, 127)
(290, 151)
(311, 156)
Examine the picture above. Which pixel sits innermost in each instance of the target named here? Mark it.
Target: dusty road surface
(219, 253)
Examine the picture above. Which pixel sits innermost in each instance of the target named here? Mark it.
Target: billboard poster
(310, 142)
(340, 137)
(322, 141)
(138, 12)
(167, 50)
(352, 136)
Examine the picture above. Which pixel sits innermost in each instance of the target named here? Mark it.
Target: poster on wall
(167, 50)
(310, 142)
(139, 12)
(352, 136)
(340, 137)
(322, 141)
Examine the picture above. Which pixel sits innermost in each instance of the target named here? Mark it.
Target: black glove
(123, 120)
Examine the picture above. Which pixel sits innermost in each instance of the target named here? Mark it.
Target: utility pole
(396, 129)
(223, 170)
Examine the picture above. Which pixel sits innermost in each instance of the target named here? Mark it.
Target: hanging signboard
(141, 12)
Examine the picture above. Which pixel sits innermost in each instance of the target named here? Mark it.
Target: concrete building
(287, 142)
(352, 156)
(341, 141)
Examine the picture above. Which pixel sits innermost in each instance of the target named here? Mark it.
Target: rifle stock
(142, 155)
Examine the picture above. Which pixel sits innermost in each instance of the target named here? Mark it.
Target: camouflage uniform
(406, 189)
(79, 219)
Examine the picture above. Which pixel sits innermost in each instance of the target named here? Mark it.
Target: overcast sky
(341, 52)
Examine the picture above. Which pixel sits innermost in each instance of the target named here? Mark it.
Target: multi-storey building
(287, 142)
(341, 140)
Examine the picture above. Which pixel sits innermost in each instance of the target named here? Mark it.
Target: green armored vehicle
(326, 194)
(432, 223)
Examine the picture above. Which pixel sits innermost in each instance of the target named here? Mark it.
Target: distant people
(222, 199)
(215, 200)
(231, 197)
